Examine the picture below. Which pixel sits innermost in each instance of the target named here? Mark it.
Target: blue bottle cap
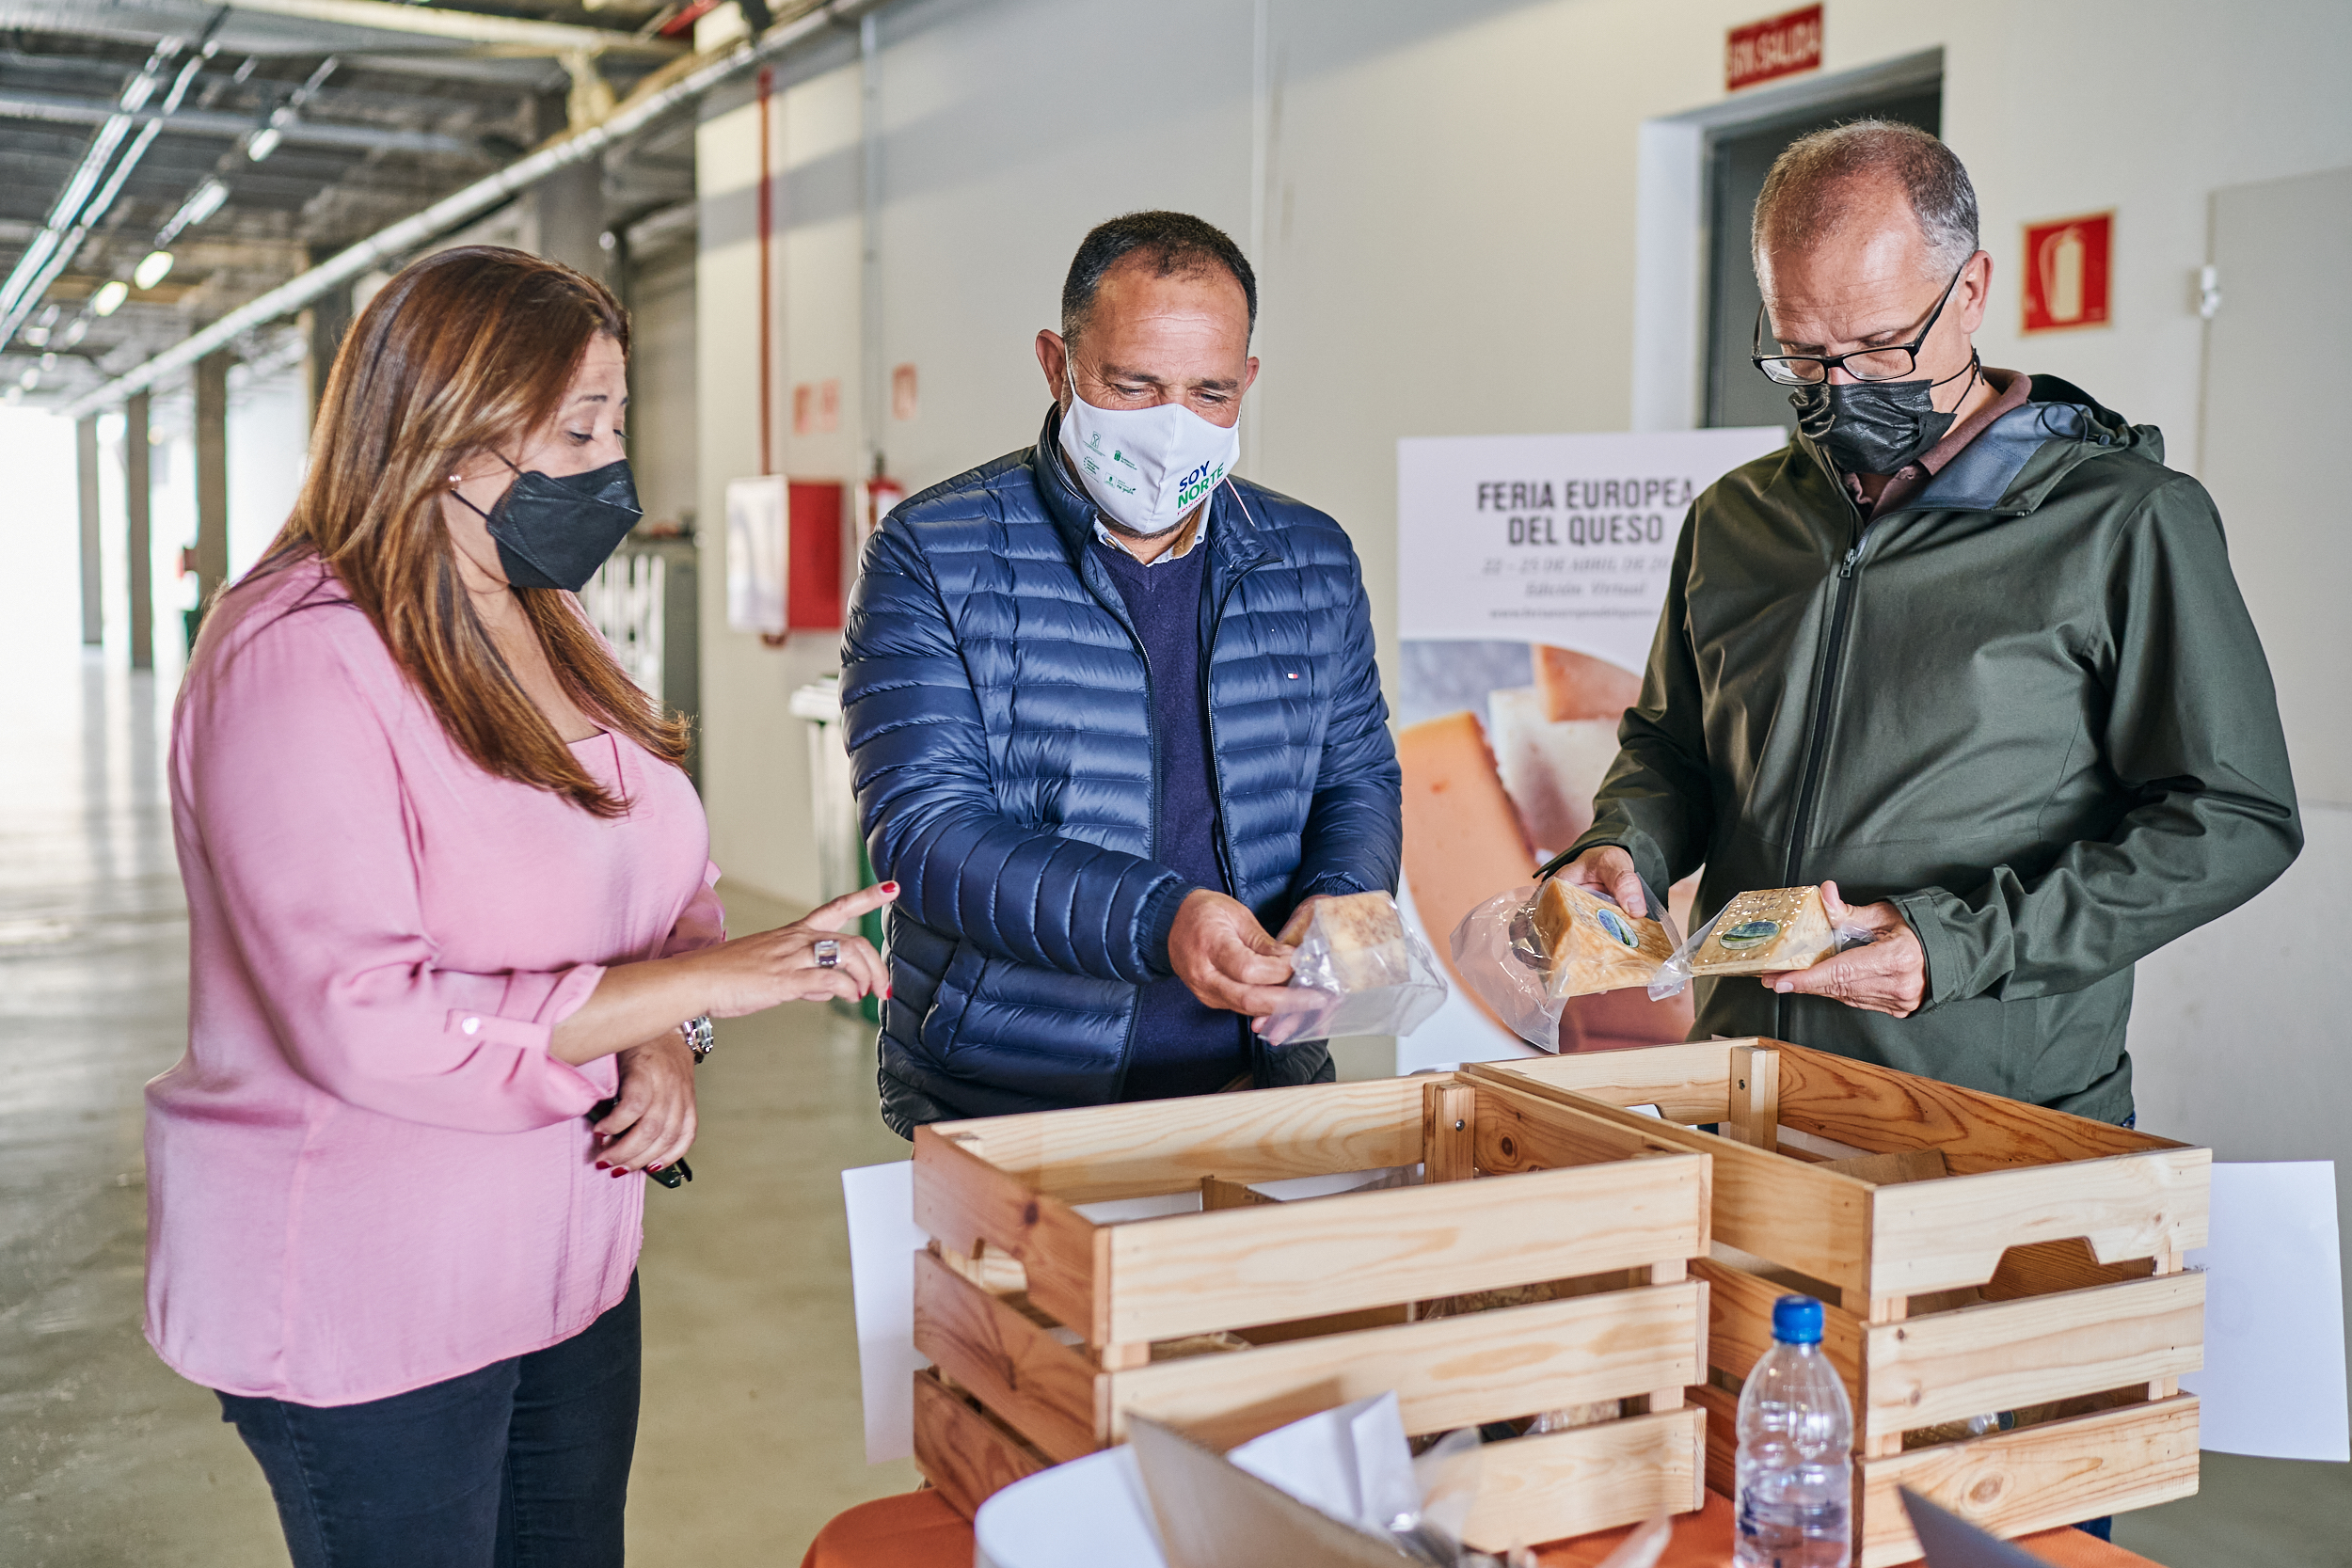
(1797, 1321)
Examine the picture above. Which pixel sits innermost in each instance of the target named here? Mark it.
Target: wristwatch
(698, 1037)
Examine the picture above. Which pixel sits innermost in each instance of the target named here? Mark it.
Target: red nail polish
(890, 887)
(618, 1173)
(601, 1166)
(653, 1168)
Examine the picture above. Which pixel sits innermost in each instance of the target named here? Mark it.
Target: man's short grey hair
(1812, 180)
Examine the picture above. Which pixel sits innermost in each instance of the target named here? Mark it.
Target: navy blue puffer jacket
(998, 717)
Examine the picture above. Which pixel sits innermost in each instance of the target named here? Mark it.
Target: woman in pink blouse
(448, 890)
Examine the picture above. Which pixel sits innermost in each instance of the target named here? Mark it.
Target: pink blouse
(367, 1174)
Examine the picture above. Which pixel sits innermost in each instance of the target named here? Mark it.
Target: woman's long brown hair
(467, 352)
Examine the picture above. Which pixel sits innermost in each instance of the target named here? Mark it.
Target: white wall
(1442, 204)
(663, 450)
(268, 447)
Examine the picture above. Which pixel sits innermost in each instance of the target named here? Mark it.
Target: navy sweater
(1180, 1046)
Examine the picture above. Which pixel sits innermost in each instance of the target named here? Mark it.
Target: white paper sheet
(758, 546)
(2274, 1380)
(884, 1240)
(1091, 1512)
(1351, 1463)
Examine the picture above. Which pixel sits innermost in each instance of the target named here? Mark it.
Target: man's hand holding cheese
(1964, 653)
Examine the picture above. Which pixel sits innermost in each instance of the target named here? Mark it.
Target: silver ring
(828, 953)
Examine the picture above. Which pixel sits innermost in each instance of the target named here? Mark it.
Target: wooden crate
(1047, 1330)
(1974, 1255)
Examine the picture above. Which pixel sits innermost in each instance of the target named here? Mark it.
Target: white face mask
(1145, 467)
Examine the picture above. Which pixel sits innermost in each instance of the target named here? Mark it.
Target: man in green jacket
(1965, 653)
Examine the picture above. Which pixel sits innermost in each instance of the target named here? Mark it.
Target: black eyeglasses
(1868, 364)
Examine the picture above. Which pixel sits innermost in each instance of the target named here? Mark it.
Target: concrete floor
(752, 1435)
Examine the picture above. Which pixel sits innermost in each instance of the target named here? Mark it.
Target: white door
(2276, 356)
(2239, 1033)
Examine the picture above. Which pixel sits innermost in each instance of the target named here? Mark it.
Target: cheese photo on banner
(1531, 571)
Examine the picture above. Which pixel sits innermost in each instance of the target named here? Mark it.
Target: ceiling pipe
(506, 32)
(78, 209)
(650, 102)
(58, 108)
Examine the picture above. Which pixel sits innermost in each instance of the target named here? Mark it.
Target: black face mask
(555, 532)
(1873, 427)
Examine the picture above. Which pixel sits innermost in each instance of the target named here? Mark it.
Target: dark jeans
(521, 1465)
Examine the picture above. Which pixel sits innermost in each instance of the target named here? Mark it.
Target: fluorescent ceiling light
(154, 270)
(109, 298)
(205, 202)
(264, 142)
(74, 333)
(30, 379)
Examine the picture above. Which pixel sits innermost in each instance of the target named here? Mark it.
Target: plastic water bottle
(1795, 1480)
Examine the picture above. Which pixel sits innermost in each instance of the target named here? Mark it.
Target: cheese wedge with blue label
(1765, 933)
(1593, 944)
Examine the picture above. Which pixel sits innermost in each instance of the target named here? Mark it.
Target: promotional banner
(1530, 572)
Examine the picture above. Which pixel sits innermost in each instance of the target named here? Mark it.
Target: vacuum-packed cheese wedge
(1766, 932)
(1593, 944)
(1366, 937)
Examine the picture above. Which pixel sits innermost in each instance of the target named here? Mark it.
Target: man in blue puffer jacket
(1113, 715)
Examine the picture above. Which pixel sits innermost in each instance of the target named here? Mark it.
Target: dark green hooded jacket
(2028, 707)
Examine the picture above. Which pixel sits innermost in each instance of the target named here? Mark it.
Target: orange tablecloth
(919, 1531)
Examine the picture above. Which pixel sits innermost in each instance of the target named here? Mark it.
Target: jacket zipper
(1816, 743)
(1152, 741)
(1217, 770)
(1216, 765)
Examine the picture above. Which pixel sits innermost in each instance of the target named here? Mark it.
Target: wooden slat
(2038, 1478)
(2006, 1356)
(1722, 1409)
(1740, 1325)
(961, 1200)
(1801, 1216)
(1217, 1192)
(992, 1272)
(1880, 1109)
(966, 1453)
(1037, 1385)
(1687, 1082)
(1885, 1170)
(1335, 1323)
(1517, 1131)
(2045, 1267)
(1448, 1114)
(1193, 1273)
(1164, 1146)
(1593, 1478)
(1754, 1118)
(1447, 1372)
(1928, 1236)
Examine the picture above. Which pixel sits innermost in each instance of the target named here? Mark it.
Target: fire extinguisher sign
(2068, 266)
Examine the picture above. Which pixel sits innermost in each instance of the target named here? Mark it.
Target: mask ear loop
(1976, 364)
(457, 479)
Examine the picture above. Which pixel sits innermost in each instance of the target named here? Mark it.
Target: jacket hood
(2015, 462)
